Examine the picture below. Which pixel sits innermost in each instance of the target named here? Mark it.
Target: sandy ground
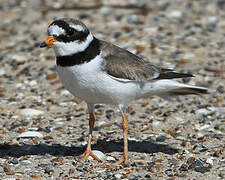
(178, 139)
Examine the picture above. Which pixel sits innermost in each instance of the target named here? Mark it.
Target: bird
(100, 72)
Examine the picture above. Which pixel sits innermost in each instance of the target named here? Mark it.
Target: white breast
(89, 82)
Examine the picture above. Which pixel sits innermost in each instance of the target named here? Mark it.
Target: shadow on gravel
(133, 146)
(41, 149)
(102, 145)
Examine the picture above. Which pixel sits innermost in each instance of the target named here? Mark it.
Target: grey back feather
(121, 63)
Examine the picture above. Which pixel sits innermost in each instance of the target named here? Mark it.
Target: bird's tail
(167, 88)
(189, 90)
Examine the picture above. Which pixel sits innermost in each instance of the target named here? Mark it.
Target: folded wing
(123, 64)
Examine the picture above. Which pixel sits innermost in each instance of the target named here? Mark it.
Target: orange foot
(122, 160)
(88, 153)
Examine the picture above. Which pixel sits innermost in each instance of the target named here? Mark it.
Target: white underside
(88, 82)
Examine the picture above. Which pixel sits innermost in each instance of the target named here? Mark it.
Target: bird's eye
(70, 31)
(56, 37)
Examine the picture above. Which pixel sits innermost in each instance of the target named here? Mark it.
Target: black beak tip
(42, 44)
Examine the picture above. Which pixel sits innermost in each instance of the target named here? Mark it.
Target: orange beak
(48, 42)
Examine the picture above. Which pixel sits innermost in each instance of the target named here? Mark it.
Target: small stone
(183, 167)
(65, 93)
(33, 83)
(155, 123)
(175, 14)
(10, 173)
(202, 169)
(188, 56)
(30, 134)
(161, 138)
(19, 85)
(100, 123)
(19, 58)
(133, 18)
(217, 109)
(106, 10)
(99, 154)
(100, 170)
(127, 171)
(71, 171)
(14, 161)
(2, 72)
(202, 111)
(33, 129)
(140, 48)
(35, 176)
(206, 126)
(26, 162)
(220, 89)
(110, 158)
(49, 169)
(51, 76)
(213, 19)
(210, 161)
(30, 112)
(118, 176)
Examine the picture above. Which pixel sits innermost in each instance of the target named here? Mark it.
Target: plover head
(67, 37)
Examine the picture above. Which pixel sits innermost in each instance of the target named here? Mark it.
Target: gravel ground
(43, 129)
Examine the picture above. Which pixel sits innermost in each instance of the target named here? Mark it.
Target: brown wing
(121, 63)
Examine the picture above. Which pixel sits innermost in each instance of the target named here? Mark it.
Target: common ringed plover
(100, 72)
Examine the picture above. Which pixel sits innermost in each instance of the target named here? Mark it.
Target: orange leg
(124, 159)
(88, 151)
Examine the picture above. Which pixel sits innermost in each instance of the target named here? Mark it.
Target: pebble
(19, 85)
(2, 72)
(217, 109)
(33, 83)
(19, 58)
(33, 129)
(106, 10)
(133, 18)
(202, 169)
(25, 162)
(63, 104)
(188, 56)
(100, 123)
(156, 123)
(14, 161)
(110, 158)
(65, 93)
(30, 112)
(30, 134)
(99, 154)
(210, 161)
(161, 138)
(206, 126)
(202, 111)
(174, 14)
(118, 176)
(100, 170)
(210, 20)
(49, 168)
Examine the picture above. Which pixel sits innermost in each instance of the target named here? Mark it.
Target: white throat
(65, 49)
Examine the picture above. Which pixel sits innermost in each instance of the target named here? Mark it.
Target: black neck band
(82, 57)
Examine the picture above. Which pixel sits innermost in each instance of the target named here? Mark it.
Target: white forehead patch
(56, 30)
(77, 27)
